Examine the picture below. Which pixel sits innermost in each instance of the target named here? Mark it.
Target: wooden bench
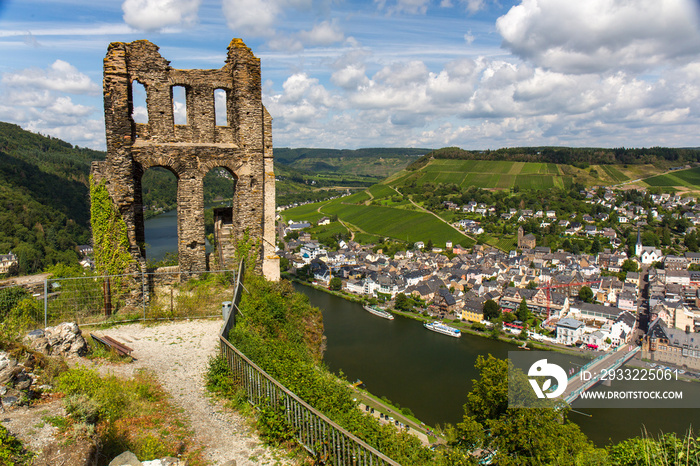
(111, 343)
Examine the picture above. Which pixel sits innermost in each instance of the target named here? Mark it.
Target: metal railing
(322, 438)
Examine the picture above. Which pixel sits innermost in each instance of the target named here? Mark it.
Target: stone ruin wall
(243, 147)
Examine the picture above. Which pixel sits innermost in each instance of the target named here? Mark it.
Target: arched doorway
(159, 199)
(219, 191)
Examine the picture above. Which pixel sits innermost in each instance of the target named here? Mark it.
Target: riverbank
(461, 325)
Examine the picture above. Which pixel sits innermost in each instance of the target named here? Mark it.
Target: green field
(689, 178)
(489, 174)
(308, 213)
(381, 190)
(400, 224)
(614, 173)
(357, 198)
(326, 231)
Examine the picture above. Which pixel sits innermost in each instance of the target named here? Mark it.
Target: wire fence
(97, 299)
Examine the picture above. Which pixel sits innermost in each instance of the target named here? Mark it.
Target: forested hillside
(44, 201)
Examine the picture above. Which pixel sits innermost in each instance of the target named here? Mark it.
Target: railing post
(46, 302)
(143, 293)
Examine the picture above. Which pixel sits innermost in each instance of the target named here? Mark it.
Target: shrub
(82, 408)
(12, 453)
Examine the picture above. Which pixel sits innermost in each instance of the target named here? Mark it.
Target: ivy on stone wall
(111, 244)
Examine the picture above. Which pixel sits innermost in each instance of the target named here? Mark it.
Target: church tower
(638, 246)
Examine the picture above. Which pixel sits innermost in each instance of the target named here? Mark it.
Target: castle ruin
(243, 147)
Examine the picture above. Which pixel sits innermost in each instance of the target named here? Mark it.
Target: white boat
(442, 328)
(378, 312)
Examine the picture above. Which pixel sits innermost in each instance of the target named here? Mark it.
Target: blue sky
(476, 74)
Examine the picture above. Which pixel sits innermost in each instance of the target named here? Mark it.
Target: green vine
(111, 244)
(247, 249)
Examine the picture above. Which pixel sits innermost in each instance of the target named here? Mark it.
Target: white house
(569, 331)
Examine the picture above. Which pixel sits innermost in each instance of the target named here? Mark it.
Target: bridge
(608, 362)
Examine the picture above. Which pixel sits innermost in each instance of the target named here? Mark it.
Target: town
(597, 301)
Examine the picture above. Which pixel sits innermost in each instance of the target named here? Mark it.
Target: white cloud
(153, 15)
(350, 77)
(252, 17)
(36, 100)
(474, 5)
(574, 36)
(324, 33)
(60, 76)
(404, 6)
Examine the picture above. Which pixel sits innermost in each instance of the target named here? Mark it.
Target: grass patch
(129, 415)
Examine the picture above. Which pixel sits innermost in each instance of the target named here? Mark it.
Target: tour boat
(442, 328)
(378, 312)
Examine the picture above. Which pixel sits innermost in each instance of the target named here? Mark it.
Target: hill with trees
(44, 205)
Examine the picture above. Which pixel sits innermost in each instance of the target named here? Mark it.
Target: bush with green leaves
(282, 333)
(12, 452)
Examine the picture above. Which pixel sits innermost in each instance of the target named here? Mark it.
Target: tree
(429, 245)
(518, 436)
(630, 266)
(335, 284)
(401, 302)
(523, 313)
(585, 294)
(491, 309)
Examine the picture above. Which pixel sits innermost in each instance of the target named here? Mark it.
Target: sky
(347, 74)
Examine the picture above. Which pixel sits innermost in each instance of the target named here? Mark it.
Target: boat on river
(378, 312)
(442, 328)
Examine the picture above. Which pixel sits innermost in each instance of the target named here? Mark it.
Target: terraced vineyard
(614, 173)
(489, 174)
(689, 178)
(373, 222)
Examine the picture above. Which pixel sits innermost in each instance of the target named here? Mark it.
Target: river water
(428, 372)
(432, 373)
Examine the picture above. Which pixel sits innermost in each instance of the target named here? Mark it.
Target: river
(428, 372)
(432, 373)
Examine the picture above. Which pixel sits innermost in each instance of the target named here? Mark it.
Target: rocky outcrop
(65, 340)
(16, 380)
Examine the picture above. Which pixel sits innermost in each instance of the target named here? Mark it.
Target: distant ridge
(287, 155)
(566, 155)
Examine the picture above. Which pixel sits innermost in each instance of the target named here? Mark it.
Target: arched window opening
(220, 107)
(159, 193)
(179, 94)
(139, 109)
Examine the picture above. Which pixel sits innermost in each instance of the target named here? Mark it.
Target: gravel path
(178, 354)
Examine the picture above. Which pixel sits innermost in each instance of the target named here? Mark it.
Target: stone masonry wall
(190, 151)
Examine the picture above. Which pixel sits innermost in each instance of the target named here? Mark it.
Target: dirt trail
(178, 353)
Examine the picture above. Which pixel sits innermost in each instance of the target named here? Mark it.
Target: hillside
(44, 212)
(517, 175)
(410, 205)
(582, 157)
(371, 162)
